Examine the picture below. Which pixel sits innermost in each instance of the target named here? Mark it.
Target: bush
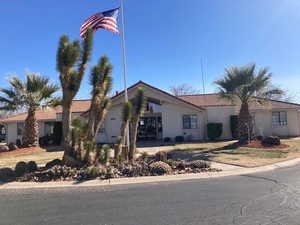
(161, 156)
(21, 168)
(179, 139)
(234, 126)
(271, 140)
(32, 166)
(214, 130)
(259, 138)
(160, 168)
(19, 143)
(54, 162)
(7, 174)
(167, 139)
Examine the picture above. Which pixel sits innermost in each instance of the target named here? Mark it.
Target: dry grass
(227, 152)
(40, 157)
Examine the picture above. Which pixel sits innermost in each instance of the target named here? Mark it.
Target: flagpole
(124, 61)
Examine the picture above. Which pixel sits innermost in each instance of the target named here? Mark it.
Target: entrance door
(150, 128)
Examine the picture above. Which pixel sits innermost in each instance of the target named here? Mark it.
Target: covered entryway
(150, 125)
(150, 128)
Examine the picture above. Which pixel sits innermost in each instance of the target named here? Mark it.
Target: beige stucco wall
(12, 134)
(112, 125)
(263, 124)
(221, 115)
(172, 121)
(172, 111)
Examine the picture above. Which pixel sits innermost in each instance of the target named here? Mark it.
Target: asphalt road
(264, 198)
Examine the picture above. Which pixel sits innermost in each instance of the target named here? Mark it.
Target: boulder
(12, 146)
(4, 148)
(271, 140)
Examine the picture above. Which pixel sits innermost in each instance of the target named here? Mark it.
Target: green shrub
(167, 139)
(32, 166)
(179, 139)
(214, 130)
(234, 126)
(21, 168)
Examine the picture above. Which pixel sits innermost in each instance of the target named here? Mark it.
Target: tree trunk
(66, 123)
(244, 124)
(133, 135)
(31, 129)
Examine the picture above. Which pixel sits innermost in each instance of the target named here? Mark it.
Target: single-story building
(167, 115)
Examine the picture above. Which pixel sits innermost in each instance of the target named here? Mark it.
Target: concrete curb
(150, 179)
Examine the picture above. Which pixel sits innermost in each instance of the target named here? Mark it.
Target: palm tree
(32, 94)
(72, 59)
(245, 84)
(138, 106)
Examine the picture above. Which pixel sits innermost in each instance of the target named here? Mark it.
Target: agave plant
(32, 94)
(245, 84)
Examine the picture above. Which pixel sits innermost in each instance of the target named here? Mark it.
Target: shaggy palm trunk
(133, 136)
(244, 124)
(31, 129)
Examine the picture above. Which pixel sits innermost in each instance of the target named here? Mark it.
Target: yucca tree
(33, 93)
(101, 82)
(245, 84)
(138, 107)
(72, 59)
(126, 117)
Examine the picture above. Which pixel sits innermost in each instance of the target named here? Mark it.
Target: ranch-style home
(167, 115)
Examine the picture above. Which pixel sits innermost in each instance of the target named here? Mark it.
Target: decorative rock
(12, 146)
(4, 148)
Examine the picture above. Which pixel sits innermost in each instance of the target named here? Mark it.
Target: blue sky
(166, 39)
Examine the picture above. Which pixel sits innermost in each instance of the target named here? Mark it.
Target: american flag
(106, 20)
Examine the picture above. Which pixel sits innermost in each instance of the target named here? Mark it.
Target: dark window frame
(190, 121)
(279, 119)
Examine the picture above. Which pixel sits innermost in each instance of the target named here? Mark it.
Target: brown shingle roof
(50, 113)
(210, 100)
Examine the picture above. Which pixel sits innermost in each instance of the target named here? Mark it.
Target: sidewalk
(228, 170)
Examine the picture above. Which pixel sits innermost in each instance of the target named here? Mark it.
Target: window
(279, 118)
(190, 121)
(20, 128)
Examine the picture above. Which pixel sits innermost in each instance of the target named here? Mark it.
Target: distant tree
(245, 85)
(33, 93)
(183, 89)
(71, 63)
